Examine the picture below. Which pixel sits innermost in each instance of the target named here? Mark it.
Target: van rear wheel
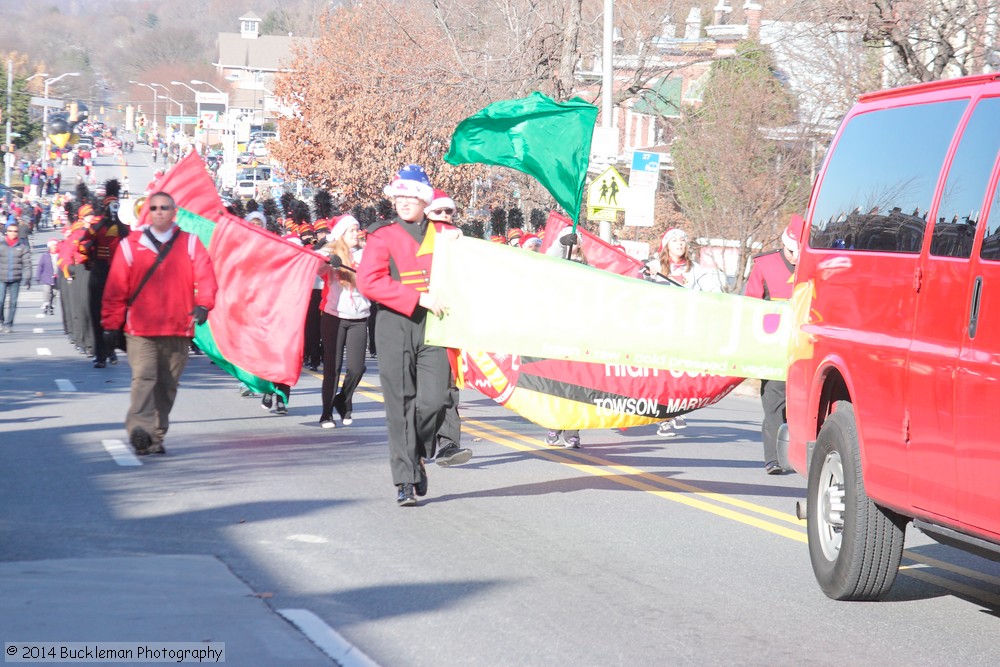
(855, 545)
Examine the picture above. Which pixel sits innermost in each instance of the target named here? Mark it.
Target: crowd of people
(370, 299)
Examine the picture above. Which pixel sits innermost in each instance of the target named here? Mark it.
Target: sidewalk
(147, 599)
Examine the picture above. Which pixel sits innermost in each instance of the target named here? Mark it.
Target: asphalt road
(635, 550)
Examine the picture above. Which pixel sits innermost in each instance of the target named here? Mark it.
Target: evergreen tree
(23, 130)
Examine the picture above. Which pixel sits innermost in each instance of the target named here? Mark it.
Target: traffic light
(142, 122)
(201, 124)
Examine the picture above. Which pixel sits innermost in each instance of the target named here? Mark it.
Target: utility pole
(608, 88)
(8, 157)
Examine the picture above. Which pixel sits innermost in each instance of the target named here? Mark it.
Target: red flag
(260, 309)
(598, 252)
(265, 282)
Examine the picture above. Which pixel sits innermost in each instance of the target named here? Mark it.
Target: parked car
(894, 374)
(263, 136)
(246, 189)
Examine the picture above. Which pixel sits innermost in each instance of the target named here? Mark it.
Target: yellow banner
(506, 299)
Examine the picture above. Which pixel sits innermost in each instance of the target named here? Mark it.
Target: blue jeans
(7, 316)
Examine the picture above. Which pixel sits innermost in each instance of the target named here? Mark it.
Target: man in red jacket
(157, 292)
(395, 272)
(772, 279)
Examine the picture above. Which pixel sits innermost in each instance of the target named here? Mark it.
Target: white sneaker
(680, 422)
(665, 429)
(327, 423)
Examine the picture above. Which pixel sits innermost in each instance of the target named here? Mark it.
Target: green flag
(536, 135)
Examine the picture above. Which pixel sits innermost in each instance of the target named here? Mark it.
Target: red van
(896, 356)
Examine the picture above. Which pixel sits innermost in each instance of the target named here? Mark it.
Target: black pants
(451, 427)
(83, 331)
(371, 329)
(415, 379)
(98, 279)
(64, 303)
(339, 334)
(312, 332)
(772, 398)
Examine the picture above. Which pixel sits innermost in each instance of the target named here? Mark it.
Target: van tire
(856, 550)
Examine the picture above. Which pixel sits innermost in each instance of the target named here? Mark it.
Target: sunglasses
(443, 211)
(160, 208)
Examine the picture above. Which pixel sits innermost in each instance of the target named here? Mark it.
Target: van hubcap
(830, 496)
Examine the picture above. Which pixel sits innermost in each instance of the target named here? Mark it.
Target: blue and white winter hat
(411, 181)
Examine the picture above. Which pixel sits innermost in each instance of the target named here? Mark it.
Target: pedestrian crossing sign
(608, 191)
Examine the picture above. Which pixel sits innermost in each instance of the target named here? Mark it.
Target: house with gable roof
(250, 61)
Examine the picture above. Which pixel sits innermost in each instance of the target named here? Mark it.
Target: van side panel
(942, 314)
(977, 381)
(977, 403)
(868, 225)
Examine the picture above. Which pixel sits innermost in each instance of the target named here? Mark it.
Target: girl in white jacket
(343, 321)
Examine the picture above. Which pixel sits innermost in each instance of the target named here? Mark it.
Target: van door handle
(977, 295)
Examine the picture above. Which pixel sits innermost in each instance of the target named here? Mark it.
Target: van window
(859, 207)
(968, 178)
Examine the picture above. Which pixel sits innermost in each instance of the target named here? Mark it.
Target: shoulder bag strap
(162, 250)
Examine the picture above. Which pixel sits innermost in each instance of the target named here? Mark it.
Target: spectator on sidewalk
(15, 270)
(46, 276)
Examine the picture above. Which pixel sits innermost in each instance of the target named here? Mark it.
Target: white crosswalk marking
(65, 385)
(122, 455)
(44, 352)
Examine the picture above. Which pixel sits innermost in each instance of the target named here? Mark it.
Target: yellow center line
(695, 497)
(957, 569)
(636, 478)
(972, 592)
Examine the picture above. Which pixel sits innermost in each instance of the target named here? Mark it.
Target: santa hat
(793, 233)
(440, 200)
(671, 235)
(410, 181)
(530, 239)
(340, 228)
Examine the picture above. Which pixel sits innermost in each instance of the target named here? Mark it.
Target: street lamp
(45, 115)
(198, 82)
(179, 106)
(166, 90)
(154, 98)
(197, 103)
(35, 76)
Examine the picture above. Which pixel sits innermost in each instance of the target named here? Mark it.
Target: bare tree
(740, 168)
(372, 94)
(916, 40)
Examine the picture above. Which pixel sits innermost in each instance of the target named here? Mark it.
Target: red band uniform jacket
(771, 278)
(165, 305)
(391, 245)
